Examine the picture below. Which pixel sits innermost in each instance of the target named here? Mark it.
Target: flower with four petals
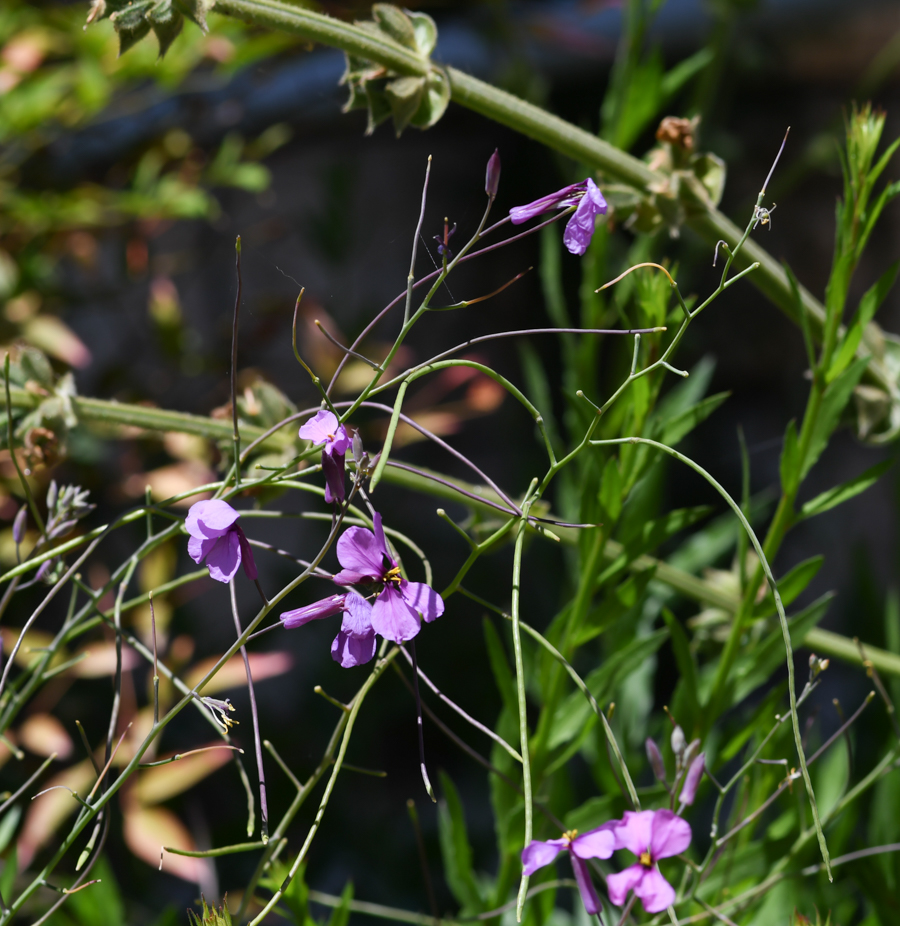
(217, 538)
(327, 431)
(580, 227)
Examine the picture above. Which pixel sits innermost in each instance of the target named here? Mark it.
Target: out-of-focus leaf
(677, 428)
(456, 851)
(148, 829)
(47, 812)
(790, 585)
(789, 466)
(340, 916)
(573, 713)
(627, 597)
(755, 666)
(830, 776)
(159, 784)
(8, 825)
(844, 492)
(233, 674)
(503, 676)
(43, 735)
(101, 903)
(101, 660)
(684, 658)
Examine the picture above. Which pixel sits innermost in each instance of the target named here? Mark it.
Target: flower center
(393, 575)
(570, 835)
(645, 860)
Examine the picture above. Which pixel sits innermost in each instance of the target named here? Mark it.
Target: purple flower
(580, 227)
(216, 538)
(400, 605)
(326, 430)
(598, 843)
(650, 835)
(355, 643)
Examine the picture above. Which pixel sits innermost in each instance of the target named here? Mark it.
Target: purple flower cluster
(580, 227)
(651, 835)
(399, 607)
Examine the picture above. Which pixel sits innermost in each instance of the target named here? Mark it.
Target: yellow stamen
(645, 860)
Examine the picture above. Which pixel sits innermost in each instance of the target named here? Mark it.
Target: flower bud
(693, 748)
(656, 760)
(678, 741)
(357, 448)
(52, 494)
(692, 779)
(18, 528)
(492, 175)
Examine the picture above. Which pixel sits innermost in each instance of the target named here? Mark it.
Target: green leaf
(844, 492)
(649, 535)
(573, 713)
(684, 659)
(675, 429)
(834, 401)
(686, 393)
(405, 95)
(395, 23)
(611, 491)
(425, 32)
(456, 850)
(789, 466)
(757, 664)
(503, 676)
(617, 603)
(865, 312)
(340, 916)
(8, 825)
(790, 586)
(678, 76)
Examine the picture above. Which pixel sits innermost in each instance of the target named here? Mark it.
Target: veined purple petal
(635, 831)
(313, 612)
(671, 835)
(597, 843)
(247, 560)
(333, 467)
(349, 650)
(393, 618)
(423, 598)
(520, 214)
(325, 429)
(537, 854)
(620, 883)
(585, 886)
(357, 620)
(360, 554)
(199, 547)
(210, 518)
(380, 538)
(654, 891)
(580, 228)
(692, 779)
(224, 558)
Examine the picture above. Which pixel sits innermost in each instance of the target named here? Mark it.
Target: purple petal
(321, 428)
(333, 467)
(393, 618)
(635, 830)
(692, 779)
(313, 612)
(357, 620)
(585, 886)
(224, 558)
(423, 598)
(598, 843)
(671, 835)
(620, 883)
(654, 891)
(380, 538)
(247, 560)
(198, 547)
(349, 650)
(520, 214)
(537, 854)
(359, 553)
(580, 228)
(211, 518)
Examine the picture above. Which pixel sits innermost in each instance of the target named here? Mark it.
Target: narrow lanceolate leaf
(844, 492)
(789, 466)
(790, 586)
(680, 426)
(456, 850)
(868, 306)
